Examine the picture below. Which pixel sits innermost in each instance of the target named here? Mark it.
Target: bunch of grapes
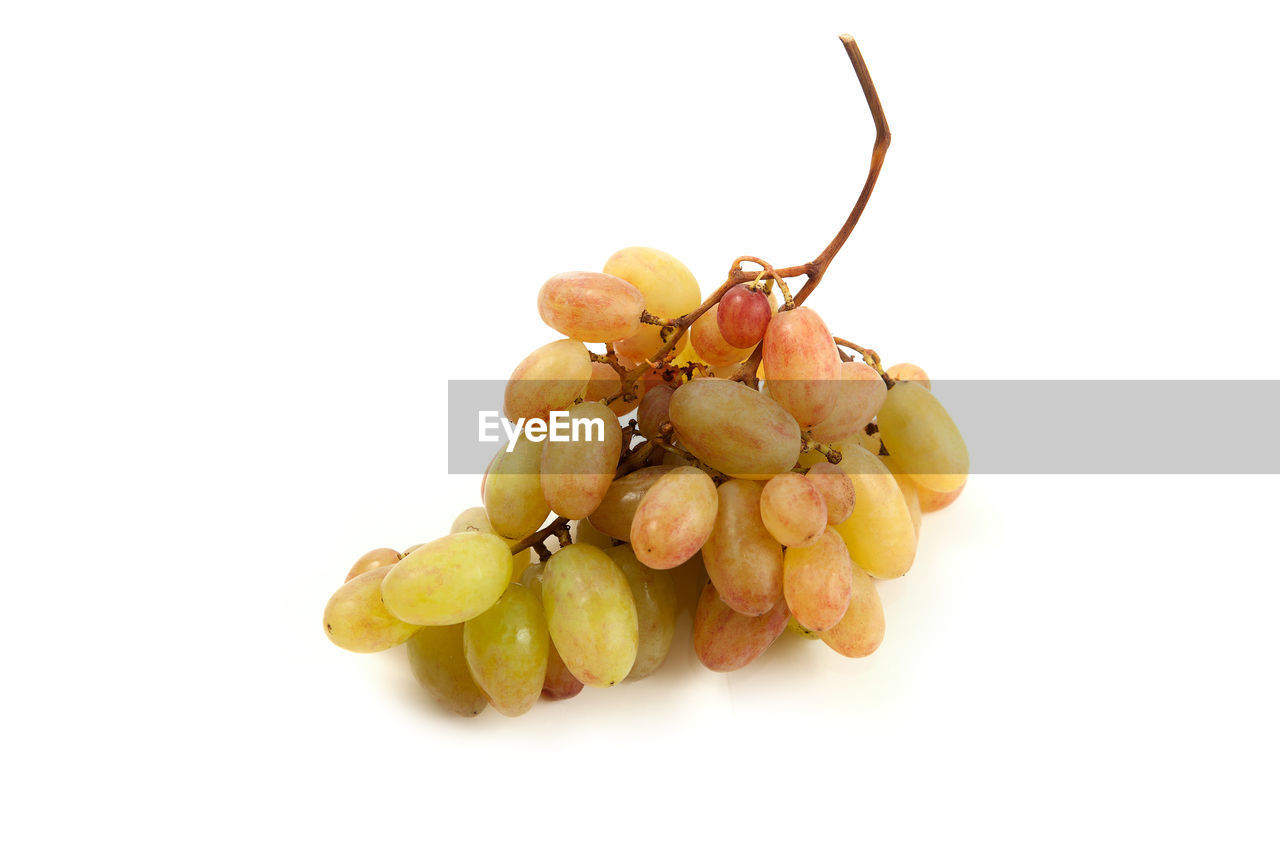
(747, 459)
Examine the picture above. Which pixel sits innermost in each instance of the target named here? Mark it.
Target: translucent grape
(577, 473)
(550, 378)
(910, 491)
(654, 593)
(618, 509)
(726, 640)
(669, 290)
(836, 489)
(859, 395)
(908, 372)
(817, 582)
(355, 618)
(708, 342)
(743, 315)
(654, 411)
(920, 435)
(375, 559)
(506, 650)
(793, 510)
(590, 306)
(513, 497)
(560, 683)
(449, 580)
(879, 533)
(861, 630)
(476, 520)
(591, 614)
(735, 429)
(931, 501)
(742, 559)
(801, 365)
(674, 518)
(439, 665)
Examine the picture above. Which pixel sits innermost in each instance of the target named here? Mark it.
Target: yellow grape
(931, 501)
(586, 533)
(355, 618)
(793, 510)
(910, 491)
(604, 383)
(836, 489)
(449, 580)
(654, 593)
(802, 365)
(439, 665)
(506, 649)
(550, 378)
(742, 559)
(801, 631)
(560, 683)
(735, 429)
(861, 630)
(513, 495)
(590, 306)
(674, 518)
(879, 534)
(859, 395)
(375, 559)
(476, 520)
(577, 473)
(669, 290)
(908, 372)
(614, 515)
(920, 435)
(726, 640)
(709, 343)
(817, 581)
(870, 441)
(591, 614)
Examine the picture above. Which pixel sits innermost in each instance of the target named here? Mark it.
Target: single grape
(439, 665)
(908, 372)
(669, 290)
(560, 683)
(709, 344)
(513, 497)
(802, 365)
(735, 429)
(375, 559)
(859, 395)
(506, 650)
(549, 379)
(817, 582)
(654, 411)
(590, 306)
(931, 501)
(726, 640)
(449, 580)
(920, 435)
(654, 593)
(743, 315)
(836, 489)
(591, 614)
(742, 559)
(793, 510)
(879, 533)
(861, 630)
(910, 491)
(674, 518)
(576, 474)
(355, 618)
(618, 509)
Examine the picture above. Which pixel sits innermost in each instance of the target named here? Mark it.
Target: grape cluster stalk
(761, 508)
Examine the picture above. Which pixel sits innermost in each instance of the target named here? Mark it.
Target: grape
(674, 518)
(590, 306)
(734, 429)
(549, 379)
(920, 435)
(793, 510)
(506, 649)
(591, 614)
(910, 491)
(817, 582)
(879, 534)
(614, 515)
(870, 441)
(801, 364)
(407, 551)
(931, 501)
(908, 372)
(743, 315)
(586, 533)
(654, 593)
(669, 290)
(513, 495)
(560, 683)
(654, 411)
(861, 630)
(709, 343)
(476, 520)
(577, 473)
(799, 630)
(725, 639)
(836, 489)
(439, 665)
(449, 580)
(356, 620)
(604, 383)
(859, 395)
(742, 559)
(375, 559)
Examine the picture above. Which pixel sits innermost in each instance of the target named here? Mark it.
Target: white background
(243, 245)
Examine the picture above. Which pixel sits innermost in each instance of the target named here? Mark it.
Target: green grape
(560, 683)
(725, 639)
(922, 438)
(669, 290)
(836, 489)
(793, 510)
(356, 620)
(591, 614)
(549, 379)
(506, 651)
(476, 520)
(439, 665)
(618, 509)
(861, 630)
(742, 559)
(880, 534)
(735, 429)
(591, 306)
(449, 580)
(513, 495)
(674, 518)
(375, 559)
(654, 593)
(576, 474)
(586, 533)
(802, 365)
(801, 631)
(859, 395)
(817, 582)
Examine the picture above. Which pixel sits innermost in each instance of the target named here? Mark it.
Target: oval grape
(513, 497)
(591, 306)
(742, 316)
(742, 559)
(576, 474)
(801, 365)
(735, 429)
(549, 379)
(669, 291)
(726, 640)
(674, 518)
(591, 614)
(793, 510)
(355, 618)
(836, 489)
(859, 395)
(506, 650)
(919, 433)
(439, 665)
(817, 582)
(654, 594)
(861, 629)
(375, 559)
(449, 580)
(618, 509)
(880, 534)
(559, 683)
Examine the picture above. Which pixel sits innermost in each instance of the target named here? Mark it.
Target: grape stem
(833, 456)
(869, 355)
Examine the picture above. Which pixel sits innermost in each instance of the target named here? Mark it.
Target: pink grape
(743, 316)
